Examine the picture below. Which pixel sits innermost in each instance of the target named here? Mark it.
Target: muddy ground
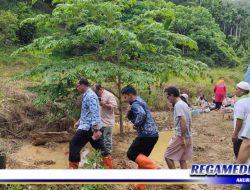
(211, 141)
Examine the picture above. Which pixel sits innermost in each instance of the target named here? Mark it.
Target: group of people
(220, 98)
(95, 123)
(97, 119)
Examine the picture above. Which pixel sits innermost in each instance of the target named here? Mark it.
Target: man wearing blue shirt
(89, 124)
(147, 132)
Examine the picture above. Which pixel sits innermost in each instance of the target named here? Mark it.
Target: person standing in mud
(180, 147)
(108, 104)
(241, 111)
(147, 132)
(89, 124)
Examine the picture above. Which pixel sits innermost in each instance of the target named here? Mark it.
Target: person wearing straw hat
(241, 111)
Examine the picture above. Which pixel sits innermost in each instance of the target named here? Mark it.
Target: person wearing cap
(241, 111)
(88, 126)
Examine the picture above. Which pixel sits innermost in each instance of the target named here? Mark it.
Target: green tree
(232, 17)
(119, 41)
(243, 3)
(198, 24)
(8, 27)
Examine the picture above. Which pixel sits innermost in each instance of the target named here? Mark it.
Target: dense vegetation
(117, 42)
(232, 17)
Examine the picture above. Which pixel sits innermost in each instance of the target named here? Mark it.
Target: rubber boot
(73, 165)
(145, 163)
(139, 186)
(107, 161)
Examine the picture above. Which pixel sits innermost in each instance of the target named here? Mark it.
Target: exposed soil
(211, 141)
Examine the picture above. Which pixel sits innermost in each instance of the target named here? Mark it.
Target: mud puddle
(158, 152)
(30, 156)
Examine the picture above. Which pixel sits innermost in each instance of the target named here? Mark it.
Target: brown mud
(211, 142)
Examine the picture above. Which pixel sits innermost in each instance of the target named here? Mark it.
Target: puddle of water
(158, 152)
(29, 154)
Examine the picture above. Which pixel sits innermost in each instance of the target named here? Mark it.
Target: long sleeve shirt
(142, 119)
(90, 112)
(108, 114)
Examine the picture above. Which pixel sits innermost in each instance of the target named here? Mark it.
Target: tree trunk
(120, 104)
(236, 32)
(239, 32)
(2, 160)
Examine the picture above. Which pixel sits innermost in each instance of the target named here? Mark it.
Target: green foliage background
(116, 42)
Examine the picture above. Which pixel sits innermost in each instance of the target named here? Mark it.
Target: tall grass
(11, 65)
(206, 85)
(156, 98)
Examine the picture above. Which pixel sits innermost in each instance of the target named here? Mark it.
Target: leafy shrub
(26, 33)
(94, 161)
(8, 27)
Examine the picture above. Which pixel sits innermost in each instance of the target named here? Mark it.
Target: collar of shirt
(244, 96)
(133, 100)
(103, 93)
(85, 93)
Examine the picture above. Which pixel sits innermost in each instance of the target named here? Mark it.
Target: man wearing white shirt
(244, 153)
(241, 111)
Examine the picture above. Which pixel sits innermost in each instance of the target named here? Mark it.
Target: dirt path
(211, 140)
